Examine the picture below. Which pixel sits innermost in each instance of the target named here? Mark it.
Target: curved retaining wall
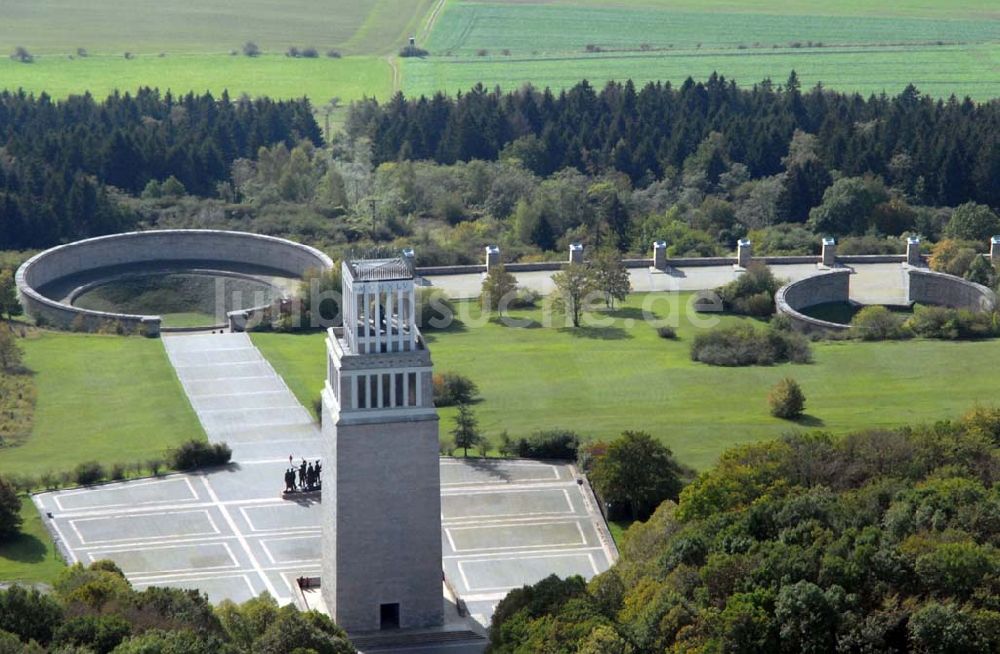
(929, 287)
(923, 287)
(138, 247)
(833, 286)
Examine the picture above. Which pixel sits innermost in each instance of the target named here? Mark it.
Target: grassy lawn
(110, 399)
(32, 557)
(274, 75)
(602, 381)
(546, 43)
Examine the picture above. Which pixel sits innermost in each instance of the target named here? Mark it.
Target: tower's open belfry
(381, 476)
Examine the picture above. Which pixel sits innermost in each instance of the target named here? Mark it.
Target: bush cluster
(195, 454)
(877, 323)
(752, 293)
(548, 444)
(412, 51)
(951, 324)
(744, 345)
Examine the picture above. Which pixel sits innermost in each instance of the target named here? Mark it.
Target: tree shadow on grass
(597, 333)
(26, 548)
(513, 322)
(625, 313)
(807, 420)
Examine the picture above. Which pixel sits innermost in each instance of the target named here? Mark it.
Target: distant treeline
(57, 159)
(952, 148)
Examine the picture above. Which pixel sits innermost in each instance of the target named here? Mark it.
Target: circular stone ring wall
(923, 286)
(176, 246)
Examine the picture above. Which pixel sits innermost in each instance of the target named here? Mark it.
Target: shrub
(752, 293)
(451, 388)
(786, 399)
(482, 52)
(667, 332)
(333, 54)
(195, 454)
(949, 324)
(88, 473)
(525, 298)
(10, 510)
(22, 55)
(953, 257)
(250, 49)
(869, 244)
(877, 323)
(743, 345)
(293, 52)
(412, 51)
(548, 444)
(309, 53)
(155, 466)
(117, 472)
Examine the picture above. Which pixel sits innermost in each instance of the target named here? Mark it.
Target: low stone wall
(174, 245)
(833, 286)
(929, 287)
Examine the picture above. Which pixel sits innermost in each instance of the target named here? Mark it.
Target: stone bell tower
(381, 476)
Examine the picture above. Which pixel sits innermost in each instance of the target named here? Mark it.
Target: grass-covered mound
(881, 541)
(182, 299)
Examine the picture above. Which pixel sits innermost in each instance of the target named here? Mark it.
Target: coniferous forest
(59, 160)
(953, 147)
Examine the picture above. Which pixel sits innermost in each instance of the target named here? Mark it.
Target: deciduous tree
(637, 471)
(610, 276)
(573, 284)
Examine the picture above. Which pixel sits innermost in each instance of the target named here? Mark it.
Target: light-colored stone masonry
(151, 246)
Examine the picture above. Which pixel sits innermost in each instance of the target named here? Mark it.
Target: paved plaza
(229, 533)
(872, 283)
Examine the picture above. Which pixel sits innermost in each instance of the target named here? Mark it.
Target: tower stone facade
(381, 476)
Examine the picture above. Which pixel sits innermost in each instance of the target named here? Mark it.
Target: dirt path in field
(396, 81)
(432, 19)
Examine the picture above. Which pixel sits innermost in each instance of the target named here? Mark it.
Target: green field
(104, 398)
(186, 46)
(599, 382)
(208, 26)
(274, 75)
(850, 48)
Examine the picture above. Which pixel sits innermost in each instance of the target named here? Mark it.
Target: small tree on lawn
(499, 286)
(250, 49)
(787, 399)
(638, 471)
(466, 431)
(611, 277)
(10, 511)
(9, 303)
(573, 284)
